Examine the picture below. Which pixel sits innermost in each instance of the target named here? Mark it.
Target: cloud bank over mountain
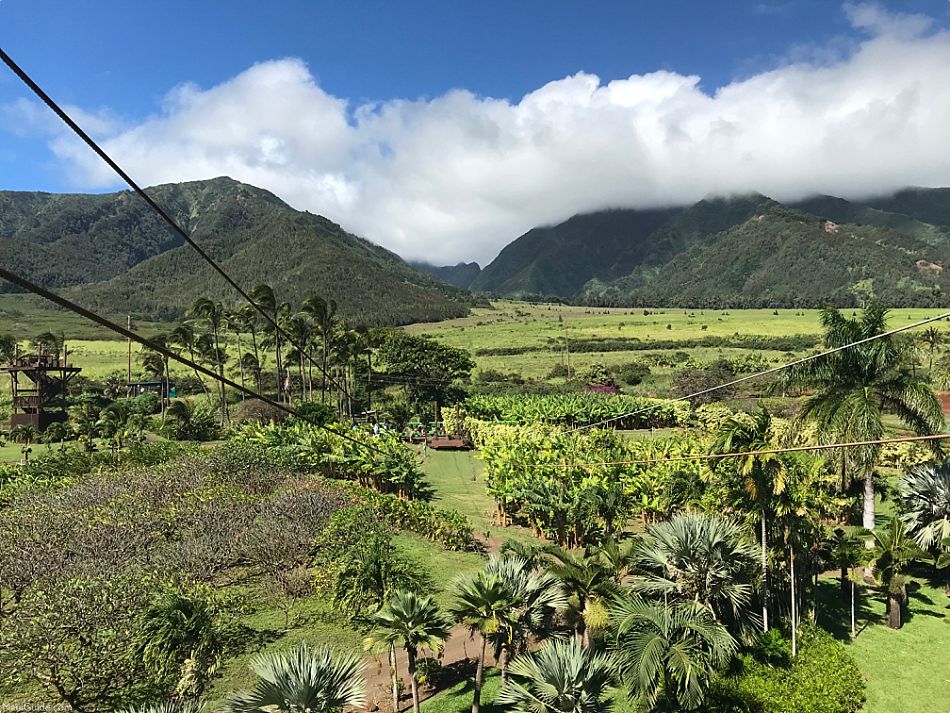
(456, 176)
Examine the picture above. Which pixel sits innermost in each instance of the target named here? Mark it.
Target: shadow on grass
(834, 609)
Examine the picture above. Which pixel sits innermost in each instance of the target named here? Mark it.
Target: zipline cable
(25, 284)
(750, 377)
(172, 223)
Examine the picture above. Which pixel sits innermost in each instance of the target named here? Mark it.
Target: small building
(164, 389)
(38, 384)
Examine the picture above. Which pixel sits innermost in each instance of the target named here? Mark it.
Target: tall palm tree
(483, 602)
(761, 476)
(537, 596)
(669, 653)
(855, 387)
(933, 339)
(413, 622)
(266, 299)
(214, 314)
(325, 320)
(184, 337)
(562, 677)
(700, 558)
(303, 679)
(894, 549)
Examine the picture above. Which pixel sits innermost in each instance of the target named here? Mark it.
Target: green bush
(449, 528)
(823, 678)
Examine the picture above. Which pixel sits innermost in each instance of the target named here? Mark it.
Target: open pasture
(539, 332)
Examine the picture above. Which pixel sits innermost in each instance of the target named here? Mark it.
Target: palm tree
(537, 596)
(590, 583)
(563, 677)
(56, 431)
(925, 502)
(214, 314)
(303, 679)
(844, 547)
(761, 476)
(265, 298)
(482, 602)
(701, 558)
(893, 550)
(933, 339)
(669, 653)
(178, 627)
(323, 313)
(855, 387)
(184, 336)
(413, 622)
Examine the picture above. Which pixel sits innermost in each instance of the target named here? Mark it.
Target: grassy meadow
(545, 327)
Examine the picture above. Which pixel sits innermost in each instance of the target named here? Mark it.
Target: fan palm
(925, 501)
(855, 387)
(536, 596)
(563, 677)
(483, 603)
(762, 476)
(701, 558)
(413, 622)
(303, 679)
(669, 653)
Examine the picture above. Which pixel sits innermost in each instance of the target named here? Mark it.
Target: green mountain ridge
(741, 251)
(113, 254)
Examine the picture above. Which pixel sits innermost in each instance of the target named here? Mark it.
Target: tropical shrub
(578, 409)
(823, 678)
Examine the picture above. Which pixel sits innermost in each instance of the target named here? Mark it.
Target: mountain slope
(560, 260)
(114, 255)
(784, 257)
(460, 275)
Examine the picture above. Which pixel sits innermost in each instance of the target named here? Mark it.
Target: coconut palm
(323, 313)
(562, 677)
(265, 298)
(894, 549)
(701, 558)
(413, 622)
(761, 476)
(669, 653)
(933, 339)
(214, 314)
(483, 603)
(303, 679)
(855, 387)
(537, 596)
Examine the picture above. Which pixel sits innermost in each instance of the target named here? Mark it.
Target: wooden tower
(38, 383)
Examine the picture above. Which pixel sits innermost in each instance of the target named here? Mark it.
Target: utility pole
(129, 377)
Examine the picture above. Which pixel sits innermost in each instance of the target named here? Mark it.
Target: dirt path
(459, 650)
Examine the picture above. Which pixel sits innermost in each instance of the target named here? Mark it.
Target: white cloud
(458, 176)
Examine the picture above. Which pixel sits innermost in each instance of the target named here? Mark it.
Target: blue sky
(116, 64)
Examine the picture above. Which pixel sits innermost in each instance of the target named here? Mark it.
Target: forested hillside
(738, 251)
(114, 254)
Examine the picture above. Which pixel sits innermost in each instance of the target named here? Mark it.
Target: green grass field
(519, 324)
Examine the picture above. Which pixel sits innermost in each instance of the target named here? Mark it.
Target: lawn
(459, 483)
(906, 669)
